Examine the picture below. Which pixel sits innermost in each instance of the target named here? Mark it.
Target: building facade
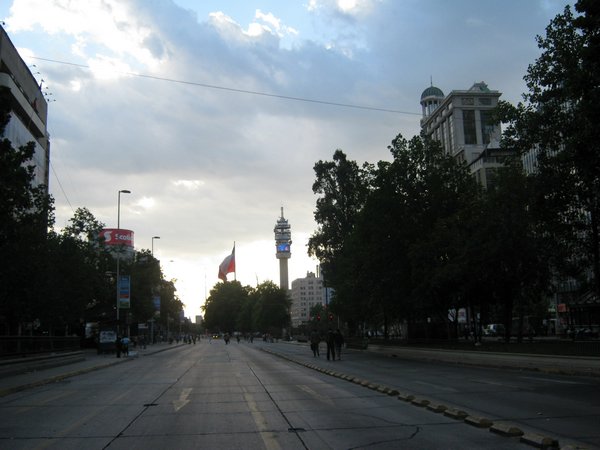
(28, 108)
(307, 292)
(462, 123)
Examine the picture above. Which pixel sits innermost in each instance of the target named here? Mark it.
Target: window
(469, 127)
(487, 127)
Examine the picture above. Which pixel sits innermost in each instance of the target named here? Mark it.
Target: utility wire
(242, 91)
(61, 186)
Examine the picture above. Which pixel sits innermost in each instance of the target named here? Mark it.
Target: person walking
(330, 339)
(314, 343)
(125, 345)
(338, 340)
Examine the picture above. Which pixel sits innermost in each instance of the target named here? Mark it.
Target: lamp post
(122, 191)
(154, 237)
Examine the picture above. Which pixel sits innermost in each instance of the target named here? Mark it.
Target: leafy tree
(400, 259)
(343, 187)
(223, 305)
(146, 278)
(26, 212)
(271, 310)
(171, 306)
(510, 250)
(245, 318)
(559, 121)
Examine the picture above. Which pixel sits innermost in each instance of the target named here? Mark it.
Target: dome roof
(432, 91)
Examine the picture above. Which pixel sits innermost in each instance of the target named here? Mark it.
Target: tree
(223, 305)
(559, 121)
(271, 311)
(510, 249)
(26, 212)
(343, 187)
(146, 277)
(396, 262)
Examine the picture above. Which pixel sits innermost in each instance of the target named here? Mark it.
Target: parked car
(494, 329)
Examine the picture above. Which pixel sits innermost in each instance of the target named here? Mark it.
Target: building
(28, 108)
(283, 242)
(306, 293)
(462, 123)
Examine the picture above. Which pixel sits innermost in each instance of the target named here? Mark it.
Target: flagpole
(235, 267)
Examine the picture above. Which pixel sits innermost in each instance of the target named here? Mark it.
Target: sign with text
(115, 236)
(124, 292)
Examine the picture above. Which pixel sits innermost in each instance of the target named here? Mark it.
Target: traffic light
(331, 317)
(318, 317)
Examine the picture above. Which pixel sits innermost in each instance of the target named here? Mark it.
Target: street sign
(124, 292)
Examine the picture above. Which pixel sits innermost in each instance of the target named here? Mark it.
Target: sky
(213, 113)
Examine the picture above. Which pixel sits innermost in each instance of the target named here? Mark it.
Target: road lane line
(268, 437)
(552, 381)
(183, 399)
(437, 386)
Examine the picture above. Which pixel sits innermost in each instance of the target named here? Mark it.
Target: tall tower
(283, 241)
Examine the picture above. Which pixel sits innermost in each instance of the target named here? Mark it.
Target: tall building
(283, 241)
(28, 108)
(462, 123)
(306, 293)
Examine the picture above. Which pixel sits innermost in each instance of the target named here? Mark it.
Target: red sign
(115, 236)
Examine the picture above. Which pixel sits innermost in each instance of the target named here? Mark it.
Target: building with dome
(462, 123)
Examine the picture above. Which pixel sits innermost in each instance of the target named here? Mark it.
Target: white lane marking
(183, 399)
(438, 386)
(268, 437)
(495, 383)
(552, 381)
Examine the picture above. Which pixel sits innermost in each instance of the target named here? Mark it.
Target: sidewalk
(567, 365)
(92, 361)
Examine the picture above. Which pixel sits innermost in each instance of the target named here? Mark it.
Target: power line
(61, 186)
(242, 91)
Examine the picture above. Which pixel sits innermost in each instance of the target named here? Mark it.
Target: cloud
(208, 159)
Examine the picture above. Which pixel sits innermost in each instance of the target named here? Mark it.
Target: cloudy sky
(213, 113)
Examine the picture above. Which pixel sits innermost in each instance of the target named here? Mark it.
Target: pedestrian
(338, 340)
(118, 346)
(330, 339)
(125, 345)
(314, 343)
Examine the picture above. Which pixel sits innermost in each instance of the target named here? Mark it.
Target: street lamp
(122, 191)
(154, 237)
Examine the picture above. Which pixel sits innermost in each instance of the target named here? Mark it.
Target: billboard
(116, 236)
(124, 292)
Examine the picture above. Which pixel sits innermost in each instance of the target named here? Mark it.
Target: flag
(227, 266)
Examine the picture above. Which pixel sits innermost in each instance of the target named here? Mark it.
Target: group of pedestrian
(334, 341)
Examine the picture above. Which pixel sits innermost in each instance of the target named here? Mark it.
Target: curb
(502, 429)
(56, 378)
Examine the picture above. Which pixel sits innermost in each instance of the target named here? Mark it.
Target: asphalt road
(564, 407)
(217, 396)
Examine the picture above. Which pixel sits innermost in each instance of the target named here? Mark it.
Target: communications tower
(283, 241)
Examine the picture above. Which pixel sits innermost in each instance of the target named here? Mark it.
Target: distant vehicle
(107, 341)
(216, 336)
(494, 329)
